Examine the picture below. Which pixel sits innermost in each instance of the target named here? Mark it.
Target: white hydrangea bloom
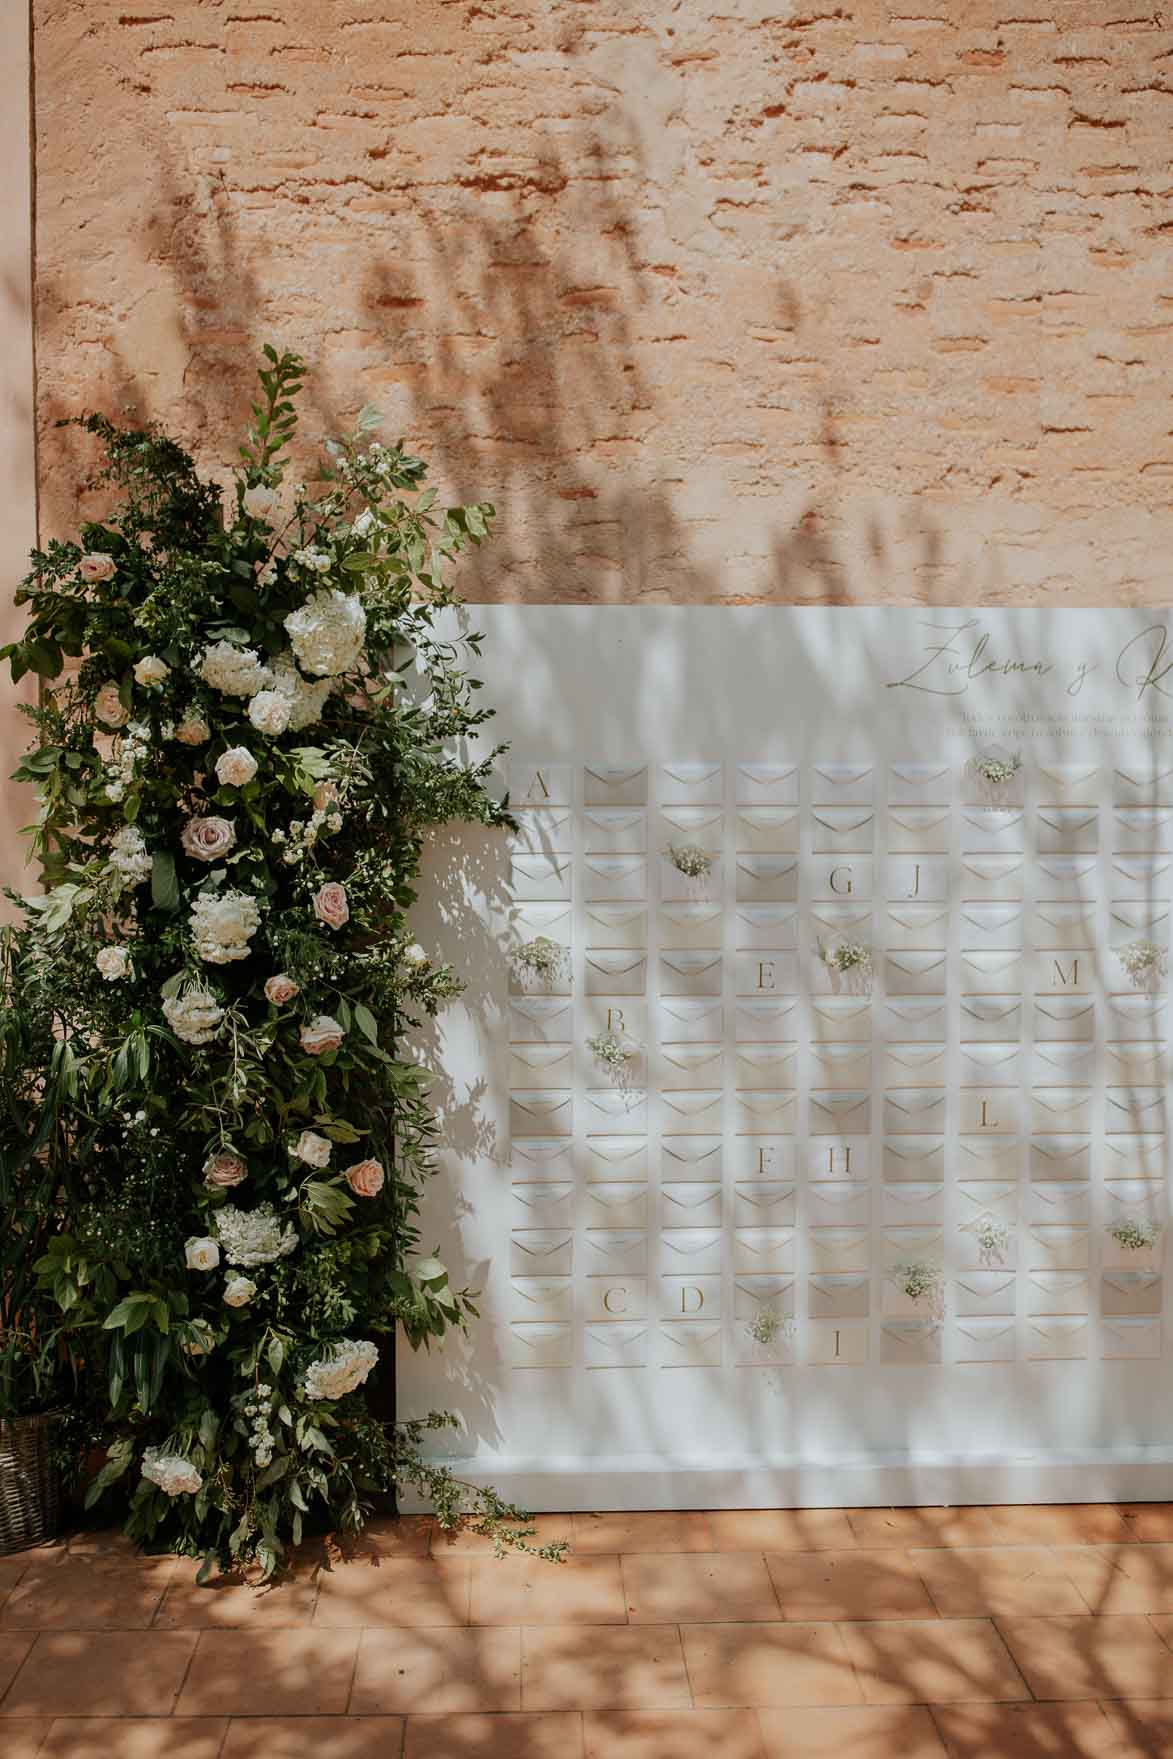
(235, 671)
(317, 561)
(347, 1366)
(194, 1015)
(254, 1236)
(306, 701)
(172, 1473)
(129, 857)
(327, 633)
(222, 925)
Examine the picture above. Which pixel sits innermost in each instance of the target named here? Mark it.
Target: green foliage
(211, 1146)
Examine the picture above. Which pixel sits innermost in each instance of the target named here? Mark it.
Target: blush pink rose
(320, 1035)
(94, 566)
(223, 1171)
(208, 839)
(330, 904)
(365, 1178)
(281, 989)
(325, 794)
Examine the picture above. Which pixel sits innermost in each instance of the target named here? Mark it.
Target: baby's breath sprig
(1135, 1236)
(690, 860)
(1145, 962)
(996, 771)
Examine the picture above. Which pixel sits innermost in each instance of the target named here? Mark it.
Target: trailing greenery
(212, 1148)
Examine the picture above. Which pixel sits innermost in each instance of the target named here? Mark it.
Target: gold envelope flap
(920, 775)
(915, 1101)
(691, 1058)
(689, 1196)
(1145, 821)
(991, 1057)
(916, 964)
(690, 964)
(760, 820)
(1060, 1148)
(552, 920)
(843, 775)
(911, 916)
(760, 868)
(767, 775)
(1066, 778)
(914, 1196)
(1131, 1282)
(918, 819)
(541, 867)
(840, 821)
(911, 1148)
(539, 1243)
(541, 1102)
(617, 916)
(692, 775)
(841, 1102)
(763, 1290)
(988, 1010)
(691, 1242)
(692, 1151)
(836, 1057)
(914, 1056)
(765, 1197)
(617, 964)
(987, 1194)
(692, 821)
(991, 964)
(620, 777)
(1069, 871)
(989, 869)
(539, 1056)
(611, 820)
(1144, 776)
(1142, 870)
(613, 867)
(839, 918)
(692, 1104)
(1061, 1099)
(760, 1103)
(1065, 1008)
(993, 821)
(988, 919)
(618, 1149)
(689, 916)
(982, 1329)
(985, 1283)
(1066, 820)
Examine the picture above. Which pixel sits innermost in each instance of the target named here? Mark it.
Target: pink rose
(322, 1034)
(208, 839)
(281, 989)
(365, 1178)
(223, 1171)
(94, 567)
(325, 794)
(330, 905)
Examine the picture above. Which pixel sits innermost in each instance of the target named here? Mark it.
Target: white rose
(328, 632)
(313, 1149)
(151, 670)
(108, 707)
(208, 839)
(95, 567)
(239, 1291)
(113, 963)
(193, 729)
(259, 501)
(236, 767)
(194, 1016)
(222, 926)
(322, 1034)
(414, 955)
(269, 712)
(280, 989)
(201, 1253)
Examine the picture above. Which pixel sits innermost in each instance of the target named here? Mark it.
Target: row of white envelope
(923, 1158)
(774, 879)
(537, 783)
(838, 1019)
(844, 830)
(899, 927)
(841, 1203)
(849, 1066)
(832, 1343)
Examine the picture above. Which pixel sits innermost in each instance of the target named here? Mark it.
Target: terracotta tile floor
(992, 1633)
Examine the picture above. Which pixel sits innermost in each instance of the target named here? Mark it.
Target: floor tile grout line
(186, 1671)
(679, 1629)
(353, 1674)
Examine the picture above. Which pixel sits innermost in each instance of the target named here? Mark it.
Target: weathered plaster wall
(836, 300)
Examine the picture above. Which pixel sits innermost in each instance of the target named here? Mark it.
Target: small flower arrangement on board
(995, 771)
(1135, 1236)
(613, 1055)
(850, 961)
(923, 1281)
(541, 959)
(992, 1236)
(1145, 962)
(767, 1326)
(690, 859)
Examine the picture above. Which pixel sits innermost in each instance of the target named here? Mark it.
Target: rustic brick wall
(829, 301)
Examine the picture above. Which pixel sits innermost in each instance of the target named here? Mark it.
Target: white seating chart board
(807, 1111)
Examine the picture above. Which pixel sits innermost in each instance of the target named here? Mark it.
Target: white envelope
(912, 1205)
(837, 1157)
(540, 1020)
(767, 830)
(761, 1157)
(692, 1113)
(616, 974)
(1135, 1157)
(993, 878)
(918, 879)
(540, 784)
(1142, 784)
(690, 1344)
(1135, 1293)
(1146, 829)
(1142, 877)
(996, 1109)
(833, 1343)
(838, 1297)
(1057, 1246)
(919, 784)
(1057, 1291)
(987, 1157)
(615, 1251)
(1130, 1339)
(691, 926)
(839, 1114)
(846, 1019)
(1056, 1340)
(690, 1251)
(991, 927)
(540, 1113)
(1067, 830)
(842, 1067)
(917, 927)
(840, 922)
(542, 1158)
(840, 1249)
(689, 888)
(548, 1300)
(1069, 784)
(913, 1065)
(1155, 984)
(1064, 1065)
(1066, 878)
(919, 830)
(990, 1017)
(1141, 1200)
(691, 784)
(914, 1111)
(543, 830)
(615, 1206)
(766, 1065)
(544, 1252)
(690, 1296)
(1130, 922)
(523, 982)
(1060, 1157)
(912, 1021)
(897, 1303)
(1068, 1018)
(1135, 1111)
(843, 830)
(842, 784)
(1061, 1205)
(1137, 1017)
(689, 1022)
(916, 974)
(554, 922)
(689, 1065)
(615, 1345)
(1063, 927)
(541, 1346)
(984, 1340)
(977, 1292)
(981, 1197)
(759, 1250)
(615, 1158)
(616, 925)
(690, 1157)
(690, 1206)
(753, 1295)
(615, 830)
(1062, 973)
(1061, 1110)
(992, 830)
(767, 784)
(838, 1205)
(609, 1111)
(757, 927)
(990, 974)
(766, 879)
(989, 1065)
(541, 1065)
(765, 973)
(847, 878)
(910, 1342)
(625, 785)
(541, 878)
(703, 826)
(768, 1113)
(614, 879)
(764, 1206)
(765, 1022)
(903, 1244)
(915, 1158)
(690, 974)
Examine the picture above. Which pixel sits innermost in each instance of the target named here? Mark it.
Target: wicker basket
(30, 1487)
